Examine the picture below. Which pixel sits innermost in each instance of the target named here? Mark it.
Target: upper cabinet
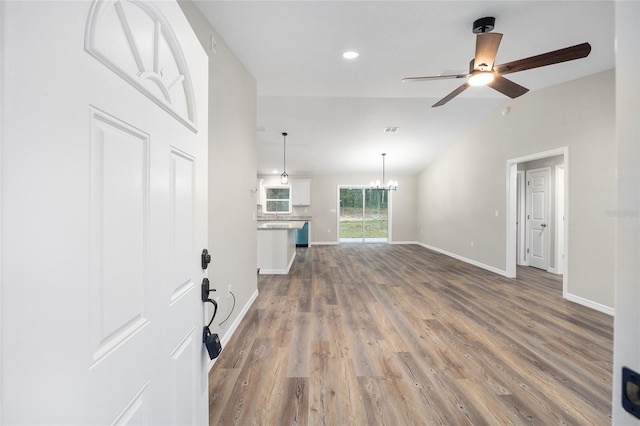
(300, 192)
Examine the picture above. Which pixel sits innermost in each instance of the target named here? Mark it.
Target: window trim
(266, 199)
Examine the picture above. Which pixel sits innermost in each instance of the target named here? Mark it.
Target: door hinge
(527, 251)
(528, 183)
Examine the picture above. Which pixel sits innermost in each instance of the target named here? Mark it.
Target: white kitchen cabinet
(300, 192)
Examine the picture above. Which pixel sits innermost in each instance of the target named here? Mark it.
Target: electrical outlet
(328, 230)
(471, 243)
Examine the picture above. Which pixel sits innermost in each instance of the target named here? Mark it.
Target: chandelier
(392, 185)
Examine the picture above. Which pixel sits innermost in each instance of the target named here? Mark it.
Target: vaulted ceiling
(335, 110)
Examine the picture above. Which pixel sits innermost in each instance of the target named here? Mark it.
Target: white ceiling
(335, 110)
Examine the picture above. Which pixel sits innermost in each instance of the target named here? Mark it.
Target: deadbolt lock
(205, 259)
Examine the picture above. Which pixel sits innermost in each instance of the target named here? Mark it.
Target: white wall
(324, 211)
(626, 347)
(459, 193)
(232, 176)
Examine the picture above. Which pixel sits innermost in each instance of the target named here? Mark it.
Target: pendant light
(284, 177)
(390, 186)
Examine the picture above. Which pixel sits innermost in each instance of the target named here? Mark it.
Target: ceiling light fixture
(390, 186)
(481, 78)
(284, 177)
(350, 54)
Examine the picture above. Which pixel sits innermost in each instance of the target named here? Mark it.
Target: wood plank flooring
(382, 334)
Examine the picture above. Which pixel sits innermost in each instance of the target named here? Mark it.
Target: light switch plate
(631, 391)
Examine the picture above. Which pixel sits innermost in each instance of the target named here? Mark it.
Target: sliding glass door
(364, 215)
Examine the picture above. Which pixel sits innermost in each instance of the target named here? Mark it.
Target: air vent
(391, 129)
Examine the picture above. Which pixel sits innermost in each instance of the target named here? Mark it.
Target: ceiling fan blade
(486, 49)
(562, 55)
(451, 95)
(435, 77)
(507, 87)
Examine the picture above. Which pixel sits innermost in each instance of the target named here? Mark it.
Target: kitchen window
(277, 199)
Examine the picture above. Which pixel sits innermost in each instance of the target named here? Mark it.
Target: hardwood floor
(399, 335)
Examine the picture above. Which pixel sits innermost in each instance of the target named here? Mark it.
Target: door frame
(559, 219)
(521, 214)
(363, 187)
(511, 209)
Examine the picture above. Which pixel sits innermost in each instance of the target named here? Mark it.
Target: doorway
(558, 161)
(364, 215)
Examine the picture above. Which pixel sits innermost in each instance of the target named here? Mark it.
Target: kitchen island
(277, 245)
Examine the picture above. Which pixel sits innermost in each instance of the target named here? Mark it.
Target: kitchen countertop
(280, 224)
(282, 218)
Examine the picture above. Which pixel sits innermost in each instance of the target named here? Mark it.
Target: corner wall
(232, 176)
(459, 193)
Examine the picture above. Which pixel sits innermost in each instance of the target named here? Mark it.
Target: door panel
(119, 227)
(376, 215)
(351, 216)
(102, 321)
(538, 217)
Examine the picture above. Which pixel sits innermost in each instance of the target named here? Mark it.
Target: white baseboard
(264, 271)
(590, 304)
(573, 298)
(554, 271)
(404, 242)
(234, 325)
(466, 260)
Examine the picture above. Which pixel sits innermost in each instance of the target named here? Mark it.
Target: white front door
(538, 218)
(104, 206)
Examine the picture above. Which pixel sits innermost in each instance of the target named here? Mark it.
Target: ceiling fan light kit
(483, 71)
(481, 78)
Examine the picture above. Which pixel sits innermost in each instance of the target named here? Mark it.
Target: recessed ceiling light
(350, 54)
(275, 172)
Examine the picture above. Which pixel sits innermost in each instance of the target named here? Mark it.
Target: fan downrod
(484, 25)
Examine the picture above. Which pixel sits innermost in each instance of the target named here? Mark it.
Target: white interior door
(104, 214)
(538, 217)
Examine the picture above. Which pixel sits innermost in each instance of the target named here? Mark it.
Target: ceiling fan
(482, 70)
